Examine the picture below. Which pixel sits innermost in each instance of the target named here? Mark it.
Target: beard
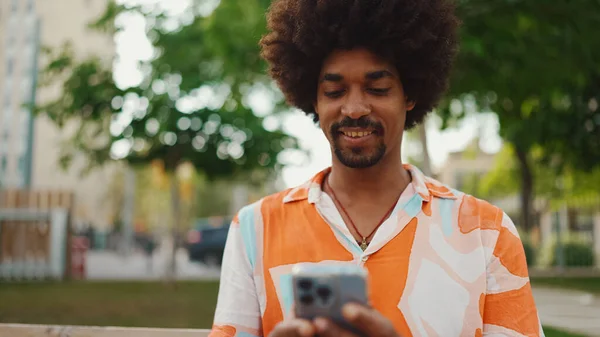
(358, 156)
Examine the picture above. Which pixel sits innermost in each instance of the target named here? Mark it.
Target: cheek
(394, 118)
(326, 114)
(323, 125)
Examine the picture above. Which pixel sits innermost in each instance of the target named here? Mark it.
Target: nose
(355, 105)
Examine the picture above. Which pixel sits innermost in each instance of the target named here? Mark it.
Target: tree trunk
(176, 213)
(426, 159)
(526, 189)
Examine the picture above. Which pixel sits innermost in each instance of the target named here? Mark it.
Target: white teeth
(359, 134)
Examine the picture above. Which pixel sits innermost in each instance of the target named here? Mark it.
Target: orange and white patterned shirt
(443, 264)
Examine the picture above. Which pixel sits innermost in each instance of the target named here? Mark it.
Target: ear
(410, 105)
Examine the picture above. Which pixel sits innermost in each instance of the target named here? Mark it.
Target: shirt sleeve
(509, 308)
(237, 312)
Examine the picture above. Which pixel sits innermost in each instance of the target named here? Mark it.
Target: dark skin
(355, 93)
(362, 111)
(368, 320)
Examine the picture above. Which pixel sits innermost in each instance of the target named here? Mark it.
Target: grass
(129, 304)
(188, 305)
(551, 332)
(591, 284)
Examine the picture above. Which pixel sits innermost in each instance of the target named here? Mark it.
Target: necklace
(363, 243)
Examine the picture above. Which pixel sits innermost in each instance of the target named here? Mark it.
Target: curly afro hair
(418, 36)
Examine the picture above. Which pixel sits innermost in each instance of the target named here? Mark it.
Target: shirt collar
(427, 187)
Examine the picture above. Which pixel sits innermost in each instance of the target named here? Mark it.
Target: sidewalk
(109, 265)
(569, 310)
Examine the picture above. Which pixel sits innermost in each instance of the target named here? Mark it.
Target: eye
(334, 94)
(379, 91)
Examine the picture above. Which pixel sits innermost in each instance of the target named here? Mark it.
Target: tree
(533, 63)
(576, 188)
(190, 107)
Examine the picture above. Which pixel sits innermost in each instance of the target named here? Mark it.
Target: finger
(293, 328)
(326, 328)
(368, 320)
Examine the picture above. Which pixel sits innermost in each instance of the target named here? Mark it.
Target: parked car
(206, 245)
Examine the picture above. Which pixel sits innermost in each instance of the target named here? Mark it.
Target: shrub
(576, 254)
(577, 251)
(529, 252)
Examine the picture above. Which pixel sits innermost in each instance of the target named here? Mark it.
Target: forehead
(357, 61)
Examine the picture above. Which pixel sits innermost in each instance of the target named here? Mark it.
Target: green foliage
(158, 120)
(223, 46)
(553, 332)
(106, 23)
(586, 284)
(530, 253)
(576, 250)
(533, 64)
(576, 254)
(574, 187)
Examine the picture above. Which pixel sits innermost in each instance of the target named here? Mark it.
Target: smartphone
(321, 290)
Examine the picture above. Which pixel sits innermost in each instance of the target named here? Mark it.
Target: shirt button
(364, 258)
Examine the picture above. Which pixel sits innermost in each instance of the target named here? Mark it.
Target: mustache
(362, 122)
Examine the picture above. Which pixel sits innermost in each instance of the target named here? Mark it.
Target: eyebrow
(332, 78)
(374, 75)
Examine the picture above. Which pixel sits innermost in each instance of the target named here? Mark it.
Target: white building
(29, 148)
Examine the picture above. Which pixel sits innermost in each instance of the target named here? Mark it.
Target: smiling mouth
(356, 134)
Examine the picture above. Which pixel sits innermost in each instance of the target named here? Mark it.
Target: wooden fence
(26, 235)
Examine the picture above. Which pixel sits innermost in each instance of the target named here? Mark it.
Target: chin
(358, 158)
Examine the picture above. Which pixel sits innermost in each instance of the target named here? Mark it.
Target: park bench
(28, 330)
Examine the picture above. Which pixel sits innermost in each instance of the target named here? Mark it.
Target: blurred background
(131, 131)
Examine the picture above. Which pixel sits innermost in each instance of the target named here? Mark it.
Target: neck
(384, 180)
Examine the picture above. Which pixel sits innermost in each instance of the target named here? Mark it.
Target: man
(441, 263)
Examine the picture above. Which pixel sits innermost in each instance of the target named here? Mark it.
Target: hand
(367, 320)
(294, 328)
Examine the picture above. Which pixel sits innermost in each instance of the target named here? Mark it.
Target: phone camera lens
(307, 299)
(305, 284)
(324, 293)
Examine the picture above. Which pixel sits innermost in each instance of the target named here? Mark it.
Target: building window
(29, 50)
(26, 87)
(14, 6)
(21, 168)
(31, 30)
(11, 31)
(4, 163)
(10, 65)
(30, 6)
(25, 119)
(4, 145)
(7, 101)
